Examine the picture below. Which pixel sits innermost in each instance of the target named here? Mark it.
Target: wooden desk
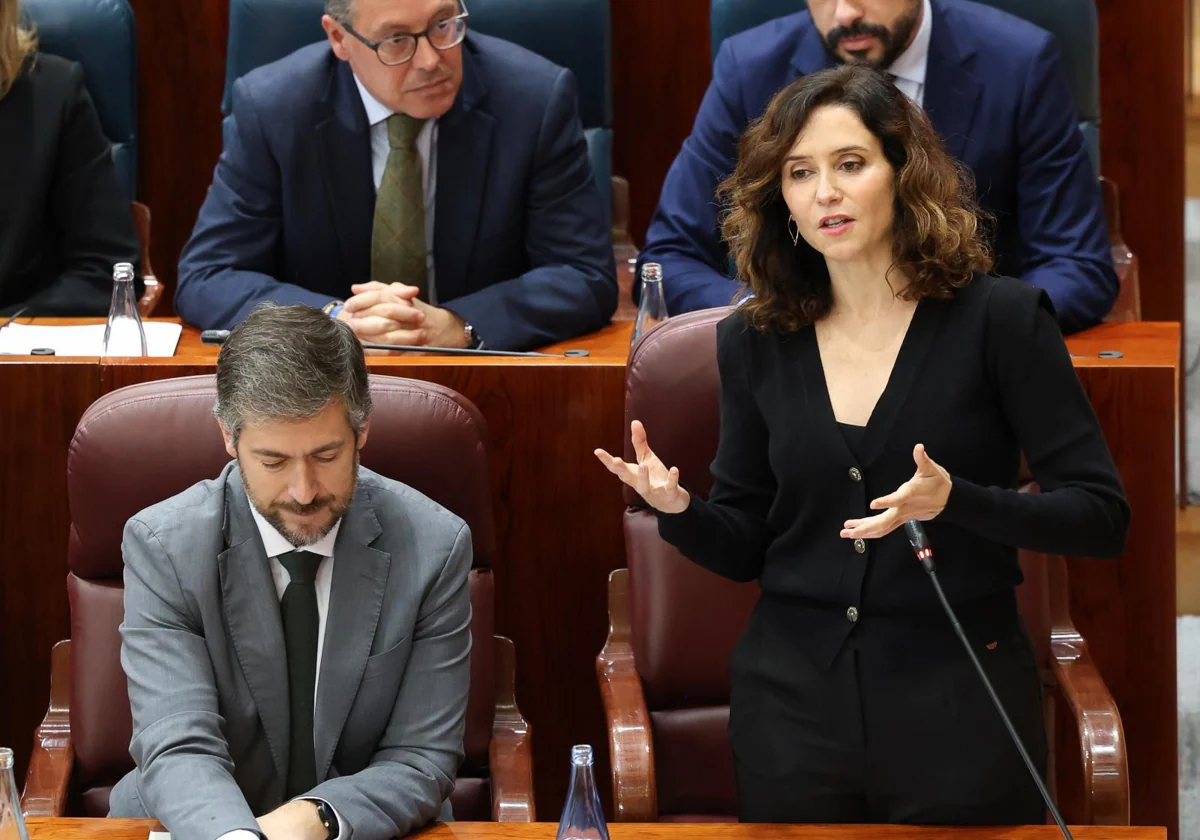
(72, 829)
(558, 522)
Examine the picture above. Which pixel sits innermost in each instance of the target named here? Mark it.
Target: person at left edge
(435, 181)
(64, 216)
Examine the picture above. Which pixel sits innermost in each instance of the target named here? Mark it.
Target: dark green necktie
(398, 235)
(301, 625)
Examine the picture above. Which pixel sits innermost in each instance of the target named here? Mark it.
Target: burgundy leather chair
(663, 672)
(139, 445)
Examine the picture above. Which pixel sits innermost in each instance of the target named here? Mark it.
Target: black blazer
(64, 216)
(979, 379)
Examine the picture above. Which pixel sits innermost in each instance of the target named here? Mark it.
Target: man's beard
(894, 41)
(274, 513)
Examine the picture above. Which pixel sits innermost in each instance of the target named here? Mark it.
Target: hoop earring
(795, 236)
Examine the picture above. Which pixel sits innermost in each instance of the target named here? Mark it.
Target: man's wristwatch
(474, 342)
(328, 818)
(333, 308)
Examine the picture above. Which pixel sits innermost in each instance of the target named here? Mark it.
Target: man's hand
(384, 314)
(443, 328)
(295, 820)
(393, 314)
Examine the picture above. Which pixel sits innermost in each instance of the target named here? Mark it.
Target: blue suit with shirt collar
(521, 248)
(996, 94)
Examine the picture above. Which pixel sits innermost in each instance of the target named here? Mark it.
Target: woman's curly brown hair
(937, 236)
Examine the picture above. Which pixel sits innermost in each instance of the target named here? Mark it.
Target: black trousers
(883, 736)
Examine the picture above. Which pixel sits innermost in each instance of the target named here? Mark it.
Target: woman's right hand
(652, 480)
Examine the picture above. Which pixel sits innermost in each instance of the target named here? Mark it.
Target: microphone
(219, 337)
(920, 545)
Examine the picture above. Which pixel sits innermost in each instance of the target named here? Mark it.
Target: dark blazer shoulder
(514, 76)
(294, 85)
(1007, 41)
(54, 82)
(767, 52)
(54, 72)
(1004, 307)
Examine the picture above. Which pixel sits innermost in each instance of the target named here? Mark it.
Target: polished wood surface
(1142, 97)
(80, 829)
(181, 79)
(1126, 609)
(558, 518)
(609, 346)
(661, 68)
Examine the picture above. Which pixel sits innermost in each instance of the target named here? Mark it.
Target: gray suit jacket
(203, 651)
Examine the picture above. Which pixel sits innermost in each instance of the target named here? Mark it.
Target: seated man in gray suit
(297, 631)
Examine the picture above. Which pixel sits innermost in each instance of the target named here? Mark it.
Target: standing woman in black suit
(64, 217)
(879, 375)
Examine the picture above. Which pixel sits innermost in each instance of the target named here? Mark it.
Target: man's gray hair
(340, 10)
(289, 363)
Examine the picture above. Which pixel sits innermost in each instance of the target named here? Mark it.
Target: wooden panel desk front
(558, 522)
(73, 829)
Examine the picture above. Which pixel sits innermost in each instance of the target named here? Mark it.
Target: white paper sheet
(161, 339)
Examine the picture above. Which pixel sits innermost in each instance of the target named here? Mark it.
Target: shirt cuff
(343, 829)
(241, 834)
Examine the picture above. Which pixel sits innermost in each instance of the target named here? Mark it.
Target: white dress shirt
(377, 114)
(276, 544)
(910, 66)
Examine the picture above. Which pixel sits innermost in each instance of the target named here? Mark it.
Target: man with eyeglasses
(425, 185)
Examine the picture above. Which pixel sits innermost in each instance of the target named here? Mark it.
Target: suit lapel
(951, 89)
(251, 607)
(344, 150)
(464, 143)
(355, 603)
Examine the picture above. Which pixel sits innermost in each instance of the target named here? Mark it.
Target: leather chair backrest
(575, 34)
(686, 620)
(102, 36)
(1073, 24)
(139, 445)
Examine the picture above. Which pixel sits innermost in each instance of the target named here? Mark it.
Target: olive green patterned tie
(398, 235)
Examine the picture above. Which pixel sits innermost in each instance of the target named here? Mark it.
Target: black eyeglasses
(443, 34)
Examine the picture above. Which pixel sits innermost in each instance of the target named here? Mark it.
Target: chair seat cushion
(472, 800)
(94, 801)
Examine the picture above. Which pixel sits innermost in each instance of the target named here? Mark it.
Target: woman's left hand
(922, 497)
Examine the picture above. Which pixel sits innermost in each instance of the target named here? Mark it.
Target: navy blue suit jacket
(996, 94)
(521, 248)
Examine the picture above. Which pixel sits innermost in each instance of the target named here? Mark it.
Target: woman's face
(839, 187)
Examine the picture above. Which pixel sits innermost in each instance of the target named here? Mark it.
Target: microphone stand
(920, 545)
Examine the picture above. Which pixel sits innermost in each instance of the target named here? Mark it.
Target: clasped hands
(922, 497)
(382, 313)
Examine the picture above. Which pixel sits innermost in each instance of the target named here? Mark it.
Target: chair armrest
(1101, 734)
(154, 289)
(510, 758)
(625, 253)
(1128, 306)
(151, 297)
(49, 773)
(630, 740)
